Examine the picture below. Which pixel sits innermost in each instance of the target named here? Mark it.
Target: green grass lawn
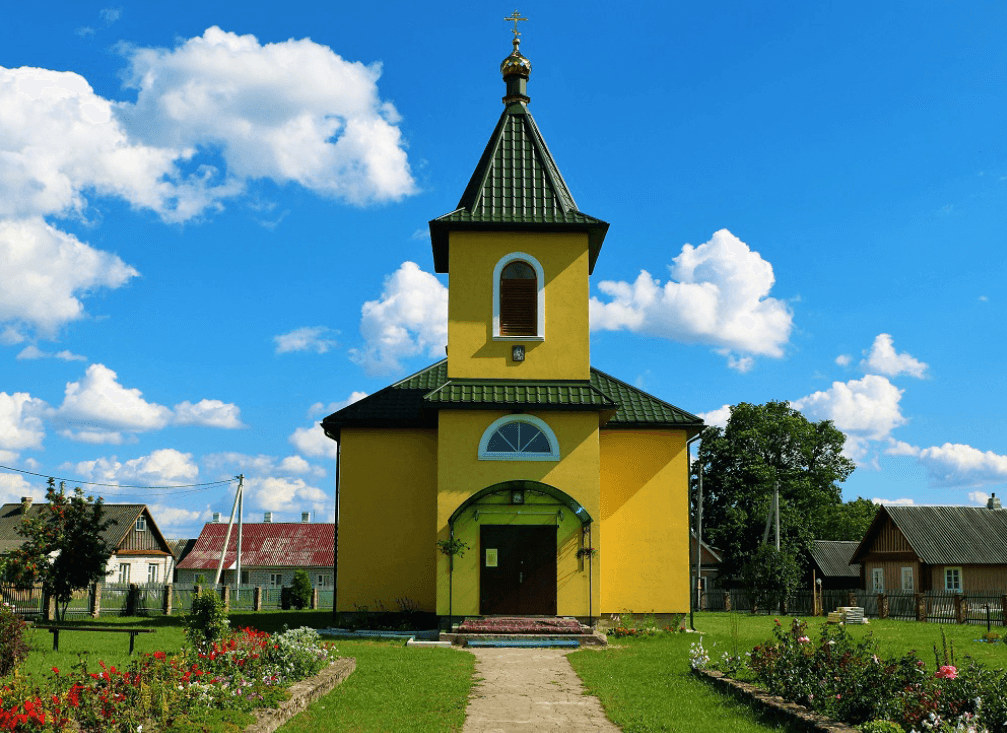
(394, 688)
(645, 683)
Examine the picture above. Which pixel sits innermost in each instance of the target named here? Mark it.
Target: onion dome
(515, 69)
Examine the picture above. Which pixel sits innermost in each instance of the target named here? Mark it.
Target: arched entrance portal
(518, 523)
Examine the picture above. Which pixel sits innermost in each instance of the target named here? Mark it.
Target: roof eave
(440, 232)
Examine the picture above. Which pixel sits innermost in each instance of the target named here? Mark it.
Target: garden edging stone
(798, 714)
(302, 694)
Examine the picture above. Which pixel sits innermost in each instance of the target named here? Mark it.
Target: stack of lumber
(847, 615)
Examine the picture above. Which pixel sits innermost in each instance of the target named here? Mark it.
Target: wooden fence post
(49, 607)
(257, 598)
(225, 595)
(882, 605)
(727, 601)
(314, 599)
(921, 607)
(961, 608)
(1003, 610)
(132, 598)
(168, 592)
(851, 598)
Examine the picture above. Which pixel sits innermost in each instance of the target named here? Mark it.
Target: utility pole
(227, 535)
(241, 513)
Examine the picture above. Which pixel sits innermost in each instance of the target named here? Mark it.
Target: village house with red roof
(270, 554)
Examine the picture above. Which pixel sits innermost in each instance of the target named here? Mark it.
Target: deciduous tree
(63, 546)
(763, 446)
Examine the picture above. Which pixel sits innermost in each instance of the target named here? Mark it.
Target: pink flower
(803, 639)
(947, 672)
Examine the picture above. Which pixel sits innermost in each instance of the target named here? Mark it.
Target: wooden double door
(518, 570)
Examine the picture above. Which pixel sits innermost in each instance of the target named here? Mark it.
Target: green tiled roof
(637, 408)
(413, 402)
(516, 185)
(946, 535)
(475, 393)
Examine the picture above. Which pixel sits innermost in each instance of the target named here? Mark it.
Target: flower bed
(847, 680)
(217, 687)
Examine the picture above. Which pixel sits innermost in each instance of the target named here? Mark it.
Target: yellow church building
(512, 478)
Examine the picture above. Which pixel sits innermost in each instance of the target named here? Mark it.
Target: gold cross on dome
(515, 16)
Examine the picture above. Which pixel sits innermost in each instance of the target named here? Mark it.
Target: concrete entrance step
(457, 639)
(523, 643)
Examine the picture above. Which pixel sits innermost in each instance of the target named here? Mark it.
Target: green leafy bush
(13, 646)
(300, 590)
(881, 726)
(297, 653)
(207, 620)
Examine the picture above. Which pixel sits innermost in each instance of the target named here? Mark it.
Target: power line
(121, 486)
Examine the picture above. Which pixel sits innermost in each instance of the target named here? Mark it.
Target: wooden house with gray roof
(140, 553)
(830, 563)
(935, 548)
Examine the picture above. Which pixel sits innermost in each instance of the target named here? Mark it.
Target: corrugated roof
(833, 558)
(945, 535)
(123, 516)
(516, 185)
(274, 544)
(402, 404)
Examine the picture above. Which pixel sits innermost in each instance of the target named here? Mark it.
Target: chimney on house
(216, 517)
(267, 517)
(305, 517)
(993, 502)
(25, 504)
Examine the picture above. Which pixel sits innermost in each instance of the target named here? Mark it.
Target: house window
(953, 579)
(907, 579)
(124, 573)
(519, 438)
(245, 578)
(276, 580)
(152, 573)
(878, 580)
(518, 298)
(141, 524)
(324, 581)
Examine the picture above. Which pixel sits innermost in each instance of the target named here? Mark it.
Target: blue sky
(213, 225)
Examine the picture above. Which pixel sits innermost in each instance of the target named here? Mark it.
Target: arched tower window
(518, 297)
(519, 438)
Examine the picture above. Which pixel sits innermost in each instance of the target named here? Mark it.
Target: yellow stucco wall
(644, 521)
(461, 474)
(387, 518)
(565, 352)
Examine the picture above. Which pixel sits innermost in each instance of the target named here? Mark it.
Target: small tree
(206, 622)
(770, 576)
(300, 590)
(63, 547)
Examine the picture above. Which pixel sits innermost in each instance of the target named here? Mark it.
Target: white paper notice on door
(491, 558)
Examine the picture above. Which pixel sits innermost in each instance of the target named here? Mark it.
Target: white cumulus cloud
(864, 409)
(312, 442)
(165, 466)
(307, 338)
(44, 272)
(718, 417)
(21, 424)
(34, 352)
(291, 111)
(99, 409)
(955, 464)
(894, 502)
(286, 495)
(718, 295)
(208, 413)
(410, 318)
(882, 359)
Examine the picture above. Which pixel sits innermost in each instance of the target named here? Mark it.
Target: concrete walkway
(531, 690)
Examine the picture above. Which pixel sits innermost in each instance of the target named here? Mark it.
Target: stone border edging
(302, 694)
(761, 699)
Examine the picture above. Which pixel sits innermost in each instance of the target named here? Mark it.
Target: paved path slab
(531, 690)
